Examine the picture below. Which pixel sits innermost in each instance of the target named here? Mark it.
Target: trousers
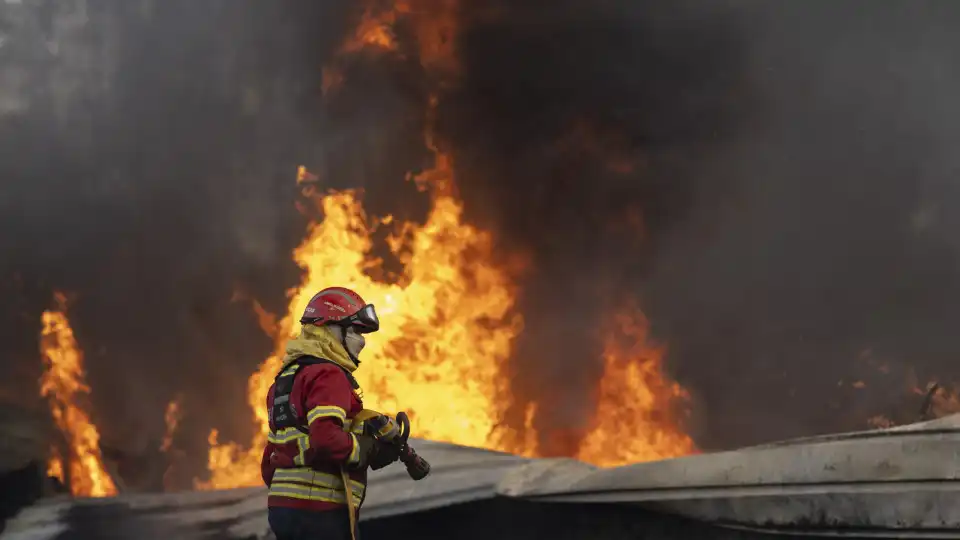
(299, 524)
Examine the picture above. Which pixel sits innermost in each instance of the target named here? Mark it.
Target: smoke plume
(148, 156)
(774, 183)
(792, 170)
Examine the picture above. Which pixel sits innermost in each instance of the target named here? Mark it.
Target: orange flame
(447, 327)
(633, 421)
(171, 418)
(447, 319)
(375, 30)
(63, 385)
(55, 465)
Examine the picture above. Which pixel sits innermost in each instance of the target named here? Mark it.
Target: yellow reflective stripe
(306, 493)
(312, 493)
(289, 371)
(286, 435)
(326, 411)
(354, 451)
(307, 475)
(303, 444)
(308, 482)
(355, 427)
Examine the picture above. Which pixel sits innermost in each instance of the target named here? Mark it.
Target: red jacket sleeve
(328, 396)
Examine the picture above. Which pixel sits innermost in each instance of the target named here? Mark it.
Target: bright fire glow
(447, 328)
(55, 465)
(633, 421)
(448, 320)
(171, 418)
(63, 385)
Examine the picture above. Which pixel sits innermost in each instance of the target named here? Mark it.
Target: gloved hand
(367, 448)
(385, 454)
(384, 427)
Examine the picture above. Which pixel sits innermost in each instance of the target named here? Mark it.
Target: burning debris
(79, 464)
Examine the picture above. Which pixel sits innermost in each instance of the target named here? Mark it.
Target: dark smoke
(579, 131)
(839, 246)
(793, 167)
(773, 182)
(148, 156)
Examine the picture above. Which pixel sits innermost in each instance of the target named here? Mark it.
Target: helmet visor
(365, 320)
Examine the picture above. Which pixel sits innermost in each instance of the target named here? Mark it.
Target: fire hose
(388, 432)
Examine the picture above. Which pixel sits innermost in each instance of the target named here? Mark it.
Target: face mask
(354, 342)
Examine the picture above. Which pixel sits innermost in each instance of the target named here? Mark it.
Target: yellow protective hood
(320, 342)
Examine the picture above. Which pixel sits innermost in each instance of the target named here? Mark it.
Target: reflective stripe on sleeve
(303, 444)
(355, 451)
(326, 411)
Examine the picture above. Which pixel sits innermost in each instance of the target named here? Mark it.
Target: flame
(447, 327)
(375, 30)
(434, 25)
(171, 418)
(448, 320)
(633, 420)
(63, 385)
(55, 465)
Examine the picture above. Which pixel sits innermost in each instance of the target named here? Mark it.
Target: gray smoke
(793, 169)
(774, 183)
(836, 252)
(149, 152)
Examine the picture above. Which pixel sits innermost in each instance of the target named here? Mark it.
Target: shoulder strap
(284, 413)
(311, 360)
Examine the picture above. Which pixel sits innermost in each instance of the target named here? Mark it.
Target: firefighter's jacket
(304, 470)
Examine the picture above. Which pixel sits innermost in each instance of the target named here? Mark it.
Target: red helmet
(338, 305)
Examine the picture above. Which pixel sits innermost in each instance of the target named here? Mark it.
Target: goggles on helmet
(363, 321)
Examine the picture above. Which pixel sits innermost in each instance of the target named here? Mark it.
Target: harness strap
(284, 413)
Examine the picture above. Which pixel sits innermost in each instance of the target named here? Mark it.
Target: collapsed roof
(899, 482)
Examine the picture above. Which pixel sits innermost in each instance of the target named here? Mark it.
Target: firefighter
(316, 458)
